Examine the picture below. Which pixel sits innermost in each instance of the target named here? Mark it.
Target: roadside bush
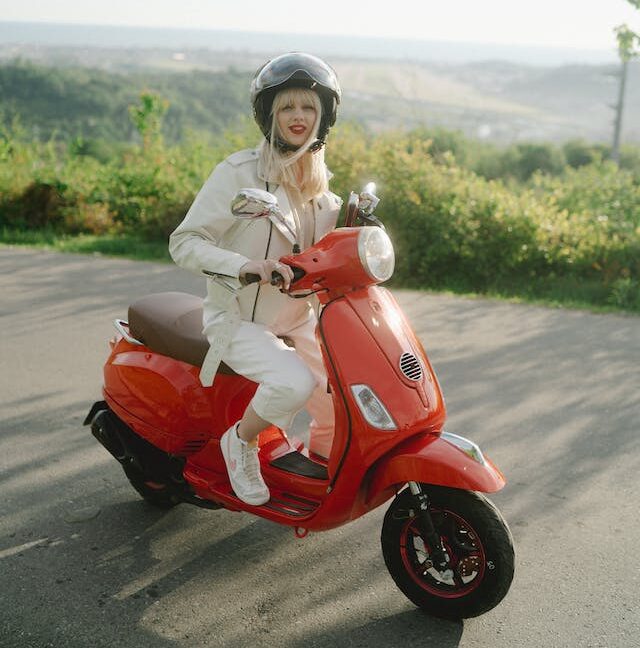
(630, 160)
(39, 206)
(580, 153)
(451, 227)
(443, 141)
(625, 293)
(532, 158)
(592, 226)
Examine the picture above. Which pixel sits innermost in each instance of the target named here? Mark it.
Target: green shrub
(449, 226)
(41, 205)
(592, 225)
(625, 293)
(452, 228)
(580, 153)
(532, 158)
(630, 160)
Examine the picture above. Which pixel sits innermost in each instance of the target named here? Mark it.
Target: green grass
(107, 245)
(553, 292)
(561, 292)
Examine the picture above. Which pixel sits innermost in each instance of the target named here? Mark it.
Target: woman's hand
(265, 267)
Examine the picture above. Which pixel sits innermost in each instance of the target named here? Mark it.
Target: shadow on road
(86, 562)
(550, 395)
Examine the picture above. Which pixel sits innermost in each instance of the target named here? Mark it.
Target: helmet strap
(285, 147)
(316, 146)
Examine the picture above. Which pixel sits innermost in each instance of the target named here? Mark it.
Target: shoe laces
(250, 463)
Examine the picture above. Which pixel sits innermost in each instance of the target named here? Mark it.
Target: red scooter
(446, 546)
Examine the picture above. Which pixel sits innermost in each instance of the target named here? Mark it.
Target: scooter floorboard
(283, 507)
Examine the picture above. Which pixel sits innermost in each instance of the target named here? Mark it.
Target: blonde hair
(281, 167)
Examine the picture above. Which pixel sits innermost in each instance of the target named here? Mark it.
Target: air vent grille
(410, 366)
(192, 446)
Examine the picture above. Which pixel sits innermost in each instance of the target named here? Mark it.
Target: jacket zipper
(266, 256)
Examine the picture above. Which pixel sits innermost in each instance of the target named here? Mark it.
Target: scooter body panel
(162, 399)
(361, 347)
(430, 459)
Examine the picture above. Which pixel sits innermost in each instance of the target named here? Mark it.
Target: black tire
(477, 539)
(154, 493)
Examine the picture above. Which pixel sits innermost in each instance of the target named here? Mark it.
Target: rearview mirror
(368, 199)
(254, 203)
(258, 203)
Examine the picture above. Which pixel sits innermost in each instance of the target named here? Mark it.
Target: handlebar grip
(250, 278)
(276, 277)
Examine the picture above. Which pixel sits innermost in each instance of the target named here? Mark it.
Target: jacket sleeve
(194, 245)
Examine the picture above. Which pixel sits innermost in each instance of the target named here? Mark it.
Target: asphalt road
(550, 395)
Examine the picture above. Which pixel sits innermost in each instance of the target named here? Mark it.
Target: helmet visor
(297, 66)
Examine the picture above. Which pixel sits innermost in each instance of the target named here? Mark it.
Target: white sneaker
(243, 467)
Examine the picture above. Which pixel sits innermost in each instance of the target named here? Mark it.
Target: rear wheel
(476, 539)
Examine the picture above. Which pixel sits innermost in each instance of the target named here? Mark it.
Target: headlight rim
(363, 237)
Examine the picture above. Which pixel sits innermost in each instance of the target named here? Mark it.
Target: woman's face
(296, 119)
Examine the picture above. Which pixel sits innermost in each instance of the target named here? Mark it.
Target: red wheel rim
(466, 553)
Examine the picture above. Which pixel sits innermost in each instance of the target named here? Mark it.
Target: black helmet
(295, 70)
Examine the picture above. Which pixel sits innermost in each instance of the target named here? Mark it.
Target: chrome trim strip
(470, 448)
(120, 324)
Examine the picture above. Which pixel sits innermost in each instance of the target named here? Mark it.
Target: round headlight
(376, 253)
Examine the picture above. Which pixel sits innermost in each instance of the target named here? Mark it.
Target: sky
(585, 24)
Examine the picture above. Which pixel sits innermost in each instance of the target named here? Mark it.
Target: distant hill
(69, 102)
(501, 102)
(91, 86)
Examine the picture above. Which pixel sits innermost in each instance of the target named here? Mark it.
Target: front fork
(439, 556)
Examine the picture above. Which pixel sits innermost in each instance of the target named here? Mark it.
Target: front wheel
(475, 537)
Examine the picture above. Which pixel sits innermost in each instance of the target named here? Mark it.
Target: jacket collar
(260, 170)
(322, 203)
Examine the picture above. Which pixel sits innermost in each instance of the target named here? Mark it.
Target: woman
(295, 98)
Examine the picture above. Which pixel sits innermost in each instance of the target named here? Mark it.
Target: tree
(147, 118)
(628, 48)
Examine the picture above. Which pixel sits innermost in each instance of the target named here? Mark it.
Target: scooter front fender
(446, 460)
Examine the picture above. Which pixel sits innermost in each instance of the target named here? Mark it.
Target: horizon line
(565, 48)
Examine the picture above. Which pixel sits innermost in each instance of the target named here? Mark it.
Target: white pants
(289, 378)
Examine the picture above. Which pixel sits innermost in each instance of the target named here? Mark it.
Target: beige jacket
(211, 238)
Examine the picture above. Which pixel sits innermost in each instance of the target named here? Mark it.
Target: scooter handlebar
(250, 278)
(276, 277)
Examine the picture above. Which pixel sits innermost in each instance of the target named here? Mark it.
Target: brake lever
(372, 219)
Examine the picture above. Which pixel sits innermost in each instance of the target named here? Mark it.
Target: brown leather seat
(170, 323)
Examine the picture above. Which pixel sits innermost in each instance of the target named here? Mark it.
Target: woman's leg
(320, 404)
(284, 385)
(251, 425)
(285, 382)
